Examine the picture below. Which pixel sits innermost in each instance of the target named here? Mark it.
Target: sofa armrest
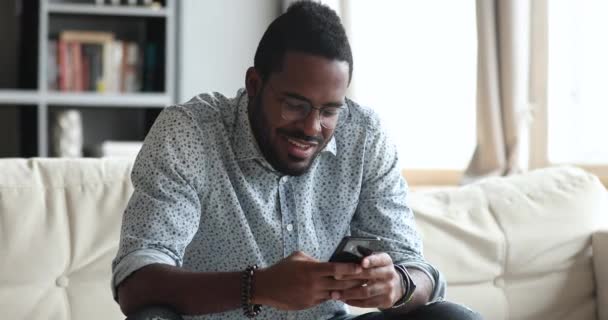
(600, 263)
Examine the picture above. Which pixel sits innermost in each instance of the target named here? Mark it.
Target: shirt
(205, 198)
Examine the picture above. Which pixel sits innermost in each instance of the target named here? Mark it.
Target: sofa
(530, 247)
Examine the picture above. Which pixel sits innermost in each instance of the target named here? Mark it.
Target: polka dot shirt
(206, 199)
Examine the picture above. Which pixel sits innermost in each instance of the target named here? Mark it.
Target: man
(240, 202)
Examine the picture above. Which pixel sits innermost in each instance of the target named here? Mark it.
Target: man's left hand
(383, 288)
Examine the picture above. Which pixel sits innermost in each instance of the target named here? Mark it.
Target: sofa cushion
(517, 247)
(59, 230)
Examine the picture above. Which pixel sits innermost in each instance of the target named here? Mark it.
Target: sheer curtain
(414, 62)
(503, 30)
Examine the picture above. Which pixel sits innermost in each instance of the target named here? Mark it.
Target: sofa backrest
(517, 247)
(59, 229)
(511, 248)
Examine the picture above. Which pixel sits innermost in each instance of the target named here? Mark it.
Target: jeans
(442, 310)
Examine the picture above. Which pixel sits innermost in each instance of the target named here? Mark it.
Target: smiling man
(240, 202)
(291, 131)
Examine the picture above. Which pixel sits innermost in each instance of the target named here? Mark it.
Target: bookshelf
(106, 114)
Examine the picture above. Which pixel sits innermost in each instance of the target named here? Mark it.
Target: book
(150, 68)
(131, 68)
(92, 54)
(86, 36)
(111, 148)
(52, 73)
(76, 56)
(64, 63)
(95, 61)
(73, 70)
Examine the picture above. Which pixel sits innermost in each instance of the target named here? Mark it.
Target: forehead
(318, 78)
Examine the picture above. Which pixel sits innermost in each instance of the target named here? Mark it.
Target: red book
(77, 66)
(63, 66)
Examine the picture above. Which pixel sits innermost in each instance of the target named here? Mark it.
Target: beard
(261, 128)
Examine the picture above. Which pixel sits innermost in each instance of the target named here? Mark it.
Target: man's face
(290, 146)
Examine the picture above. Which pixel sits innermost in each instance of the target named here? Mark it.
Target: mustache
(300, 135)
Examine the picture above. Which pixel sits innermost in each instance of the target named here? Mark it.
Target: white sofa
(524, 247)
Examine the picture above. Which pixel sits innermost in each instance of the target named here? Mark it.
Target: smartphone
(354, 249)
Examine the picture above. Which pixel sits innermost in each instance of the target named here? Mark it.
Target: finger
(366, 274)
(301, 256)
(378, 259)
(372, 289)
(374, 302)
(337, 269)
(330, 283)
(377, 273)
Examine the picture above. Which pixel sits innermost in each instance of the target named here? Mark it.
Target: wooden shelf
(106, 10)
(130, 111)
(131, 100)
(19, 97)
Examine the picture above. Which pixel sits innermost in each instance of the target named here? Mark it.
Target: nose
(312, 123)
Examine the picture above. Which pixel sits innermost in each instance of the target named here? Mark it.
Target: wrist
(250, 309)
(401, 287)
(259, 294)
(408, 285)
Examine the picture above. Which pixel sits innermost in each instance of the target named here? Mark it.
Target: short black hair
(306, 27)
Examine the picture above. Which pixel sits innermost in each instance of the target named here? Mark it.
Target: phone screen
(354, 249)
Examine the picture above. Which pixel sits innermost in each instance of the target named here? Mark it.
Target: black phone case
(340, 255)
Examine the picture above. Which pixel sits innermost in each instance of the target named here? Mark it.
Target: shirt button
(290, 227)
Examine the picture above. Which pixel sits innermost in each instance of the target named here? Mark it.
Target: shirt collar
(244, 144)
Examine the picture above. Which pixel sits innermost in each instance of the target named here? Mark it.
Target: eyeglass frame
(341, 110)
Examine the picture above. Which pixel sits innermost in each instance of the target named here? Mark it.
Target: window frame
(539, 130)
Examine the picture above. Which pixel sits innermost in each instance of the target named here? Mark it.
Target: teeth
(300, 145)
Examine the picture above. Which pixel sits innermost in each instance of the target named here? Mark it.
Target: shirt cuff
(135, 261)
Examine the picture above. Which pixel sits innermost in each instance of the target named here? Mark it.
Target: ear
(253, 82)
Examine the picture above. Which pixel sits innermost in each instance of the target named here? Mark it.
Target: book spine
(63, 67)
(53, 65)
(77, 75)
(86, 71)
(132, 69)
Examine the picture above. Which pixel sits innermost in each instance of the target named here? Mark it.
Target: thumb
(300, 256)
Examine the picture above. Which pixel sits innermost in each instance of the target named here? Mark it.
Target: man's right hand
(300, 282)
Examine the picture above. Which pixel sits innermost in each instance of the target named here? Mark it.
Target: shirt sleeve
(383, 209)
(163, 213)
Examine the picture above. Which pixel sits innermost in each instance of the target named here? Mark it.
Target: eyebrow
(300, 97)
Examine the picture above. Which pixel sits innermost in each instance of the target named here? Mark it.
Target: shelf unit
(51, 15)
(93, 9)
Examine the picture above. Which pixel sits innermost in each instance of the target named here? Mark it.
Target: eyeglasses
(295, 110)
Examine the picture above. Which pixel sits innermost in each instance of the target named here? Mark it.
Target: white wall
(217, 41)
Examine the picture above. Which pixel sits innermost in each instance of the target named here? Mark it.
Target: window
(415, 64)
(577, 71)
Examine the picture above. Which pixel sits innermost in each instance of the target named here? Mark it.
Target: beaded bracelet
(250, 310)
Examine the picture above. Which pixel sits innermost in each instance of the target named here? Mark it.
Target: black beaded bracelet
(250, 310)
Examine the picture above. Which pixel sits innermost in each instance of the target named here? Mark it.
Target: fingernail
(365, 263)
(335, 295)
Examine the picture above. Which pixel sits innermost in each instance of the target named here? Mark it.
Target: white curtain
(502, 89)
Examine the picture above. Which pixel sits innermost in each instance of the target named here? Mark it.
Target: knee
(153, 313)
(444, 310)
